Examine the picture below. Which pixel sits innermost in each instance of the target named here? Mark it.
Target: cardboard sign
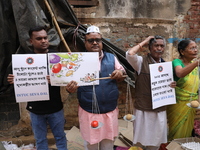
(82, 67)
(30, 71)
(161, 77)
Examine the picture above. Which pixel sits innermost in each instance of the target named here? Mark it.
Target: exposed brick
(187, 17)
(196, 25)
(9, 111)
(194, 30)
(194, 18)
(3, 125)
(9, 124)
(11, 99)
(3, 108)
(194, 13)
(13, 107)
(194, 3)
(3, 117)
(13, 116)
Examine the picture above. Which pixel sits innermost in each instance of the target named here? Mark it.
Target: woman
(180, 116)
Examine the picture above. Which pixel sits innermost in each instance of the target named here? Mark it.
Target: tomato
(70, 67)
(56, 68)
(94, 124)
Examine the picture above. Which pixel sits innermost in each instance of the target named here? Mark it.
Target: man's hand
(48, 78)
(173, 84)
(71, 86)
(10, 78)
(146, 41)
(117, 75)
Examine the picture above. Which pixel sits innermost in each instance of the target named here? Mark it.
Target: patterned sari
(180, 116)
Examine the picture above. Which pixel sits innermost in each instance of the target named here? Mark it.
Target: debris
(8, 145)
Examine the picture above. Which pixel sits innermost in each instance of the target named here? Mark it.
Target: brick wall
(192, 18)
(9, 111)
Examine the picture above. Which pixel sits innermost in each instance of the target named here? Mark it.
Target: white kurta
(150, 128)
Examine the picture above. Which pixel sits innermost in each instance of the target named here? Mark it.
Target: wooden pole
(57, 26)
(124, 76)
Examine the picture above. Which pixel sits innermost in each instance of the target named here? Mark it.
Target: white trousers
(103, 145)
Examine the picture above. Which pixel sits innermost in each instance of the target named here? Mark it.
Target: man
(150, 125)
(49, 112)
(102, 137)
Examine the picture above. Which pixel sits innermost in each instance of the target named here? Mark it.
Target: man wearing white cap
(102, 137)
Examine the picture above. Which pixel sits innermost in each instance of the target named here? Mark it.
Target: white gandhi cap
(92, 29)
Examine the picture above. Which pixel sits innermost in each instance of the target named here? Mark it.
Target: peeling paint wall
(155, 9)
(122, 21)
(112, 9)
(125, 33)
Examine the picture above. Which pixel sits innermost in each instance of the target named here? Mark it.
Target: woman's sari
(180, 116)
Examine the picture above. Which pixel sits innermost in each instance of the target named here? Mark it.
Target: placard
(161, 77)
(30, 71)
(82, 67)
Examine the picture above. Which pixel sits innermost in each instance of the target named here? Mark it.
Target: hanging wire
(195, 82)
(95, 106)
(199, 79)
(75, 34)
(129, 102)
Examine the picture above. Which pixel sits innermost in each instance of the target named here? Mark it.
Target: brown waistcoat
(143, 100)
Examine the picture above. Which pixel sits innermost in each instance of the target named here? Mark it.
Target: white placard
(30, 71)
(161, 77)
(82, 67)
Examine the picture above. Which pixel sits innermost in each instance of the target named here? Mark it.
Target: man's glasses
(97, 40)
(157, 45)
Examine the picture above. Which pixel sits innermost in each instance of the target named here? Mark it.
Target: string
(195, 82)
(129, 103)
(95, 106)
(199, 80)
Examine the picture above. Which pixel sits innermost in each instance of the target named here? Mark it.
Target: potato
(69, 73)
(128, 116)
(194, 104)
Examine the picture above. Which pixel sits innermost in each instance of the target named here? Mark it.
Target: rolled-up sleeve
(135, 61)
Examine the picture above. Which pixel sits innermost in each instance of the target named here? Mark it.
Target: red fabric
(163, 146)
(197, 127)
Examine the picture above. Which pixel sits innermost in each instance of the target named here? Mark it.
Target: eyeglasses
(157, 45)
(97, 40)
(193, 48)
